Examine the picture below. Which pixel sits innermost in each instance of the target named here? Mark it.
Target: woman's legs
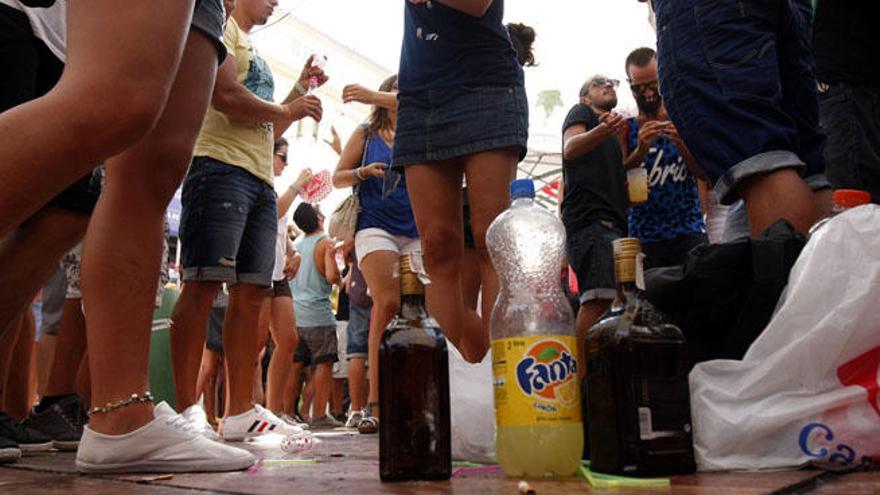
(283, 328)
(377, 268)
(120, 67)
(435, 193)
(124, 244)
(489, 174)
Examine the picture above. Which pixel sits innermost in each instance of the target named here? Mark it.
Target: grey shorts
(316, 345)
(209, 18)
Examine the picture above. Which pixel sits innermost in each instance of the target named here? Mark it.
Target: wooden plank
(15, 481)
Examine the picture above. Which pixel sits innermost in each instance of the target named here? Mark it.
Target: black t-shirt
(846, 39)
(594, 183)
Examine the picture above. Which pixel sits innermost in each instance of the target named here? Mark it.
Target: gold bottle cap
(626, 253)
(409, 280)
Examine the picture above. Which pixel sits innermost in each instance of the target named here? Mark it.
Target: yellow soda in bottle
(534, 362)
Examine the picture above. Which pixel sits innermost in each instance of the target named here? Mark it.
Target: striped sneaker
(255, 422)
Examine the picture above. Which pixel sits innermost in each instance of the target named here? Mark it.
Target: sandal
(369, 425)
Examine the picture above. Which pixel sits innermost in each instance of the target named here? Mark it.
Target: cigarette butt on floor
(159, 477)
(524, 488)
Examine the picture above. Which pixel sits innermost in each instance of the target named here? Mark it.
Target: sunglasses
(603, 81)
(283, 156)
(640, 88)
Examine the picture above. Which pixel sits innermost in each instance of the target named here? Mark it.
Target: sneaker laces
(75, 416)
(178, 422)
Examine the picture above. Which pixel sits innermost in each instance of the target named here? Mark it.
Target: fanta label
(535, 381)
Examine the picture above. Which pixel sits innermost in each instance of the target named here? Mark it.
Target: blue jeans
(738, 80)
(227, 225)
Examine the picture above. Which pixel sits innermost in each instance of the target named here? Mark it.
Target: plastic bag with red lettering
(806, 392)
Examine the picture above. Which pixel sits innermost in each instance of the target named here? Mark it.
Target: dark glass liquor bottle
(637, 375)
(414, 430)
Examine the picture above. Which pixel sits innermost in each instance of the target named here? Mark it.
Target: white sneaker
(198, 418)
(168, 444)
(354, 418)
(287, 418)
(255, 422)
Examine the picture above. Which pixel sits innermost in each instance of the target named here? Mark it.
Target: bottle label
(535, 381)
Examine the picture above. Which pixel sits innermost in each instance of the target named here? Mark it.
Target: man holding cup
(594, 198)
(661, 172)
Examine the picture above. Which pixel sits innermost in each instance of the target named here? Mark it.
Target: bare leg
(240, 345)
(337, 395)
(470, 278)
(189, 322)
(308, 394)
(45, 356)
(357, 383)
(781, 194)
(122, 251)
(283, 327)
(17, 394)
(435, 193)
(71, 350)
(323, 375)
(489, 175)
(385, 287)
(207, 383)
(296, 387)
(113, 89)
(29, 256)
(587, 316)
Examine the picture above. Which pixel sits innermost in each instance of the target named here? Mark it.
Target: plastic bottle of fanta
(534, 361)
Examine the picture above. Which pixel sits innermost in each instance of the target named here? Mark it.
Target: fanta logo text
(546, 366)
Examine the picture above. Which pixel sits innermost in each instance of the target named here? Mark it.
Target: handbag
(343, 220)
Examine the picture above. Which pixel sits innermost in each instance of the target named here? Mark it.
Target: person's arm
(578, 141)
(672, 133)
(286, 199)
(327, 256)
(347, 174)
(299, 93)
(235, 100)
(360, 94)
(647, 134)
(334, 142)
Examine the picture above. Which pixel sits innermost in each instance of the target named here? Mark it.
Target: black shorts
(591, 255)
(31, 70)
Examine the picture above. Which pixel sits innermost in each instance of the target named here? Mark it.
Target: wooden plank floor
(348, 463)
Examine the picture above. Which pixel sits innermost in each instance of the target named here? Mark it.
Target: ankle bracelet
(134, 399)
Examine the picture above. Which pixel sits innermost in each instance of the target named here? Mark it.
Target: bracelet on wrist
(300, 89)
(358, 176)
(295, 189)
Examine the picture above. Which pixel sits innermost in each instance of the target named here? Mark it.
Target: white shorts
(368, 240)
(340, 368)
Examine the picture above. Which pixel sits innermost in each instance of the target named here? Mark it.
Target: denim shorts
(358, 331)
(851, 116)
(447, 123)
(738, 80)
(227, 225)
(591, 256)
(209, 17)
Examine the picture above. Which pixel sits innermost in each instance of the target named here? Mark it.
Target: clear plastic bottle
(319, 61)
(843, 200)
(534, 361)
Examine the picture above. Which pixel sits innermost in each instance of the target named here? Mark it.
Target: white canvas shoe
(198, 418)
(168, 444)
(255, 422)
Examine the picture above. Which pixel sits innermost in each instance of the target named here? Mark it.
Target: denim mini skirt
(446, 123)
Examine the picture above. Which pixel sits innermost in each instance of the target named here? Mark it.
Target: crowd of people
(100, 128)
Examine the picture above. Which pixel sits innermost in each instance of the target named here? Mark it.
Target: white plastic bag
(472, 408)
(807, 389)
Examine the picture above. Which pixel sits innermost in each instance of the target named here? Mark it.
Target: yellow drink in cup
(637, 185)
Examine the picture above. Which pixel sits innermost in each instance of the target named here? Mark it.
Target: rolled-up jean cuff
(209, 274)
(769, 161)
(357, 355)
(594, 294)
(817, 182)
